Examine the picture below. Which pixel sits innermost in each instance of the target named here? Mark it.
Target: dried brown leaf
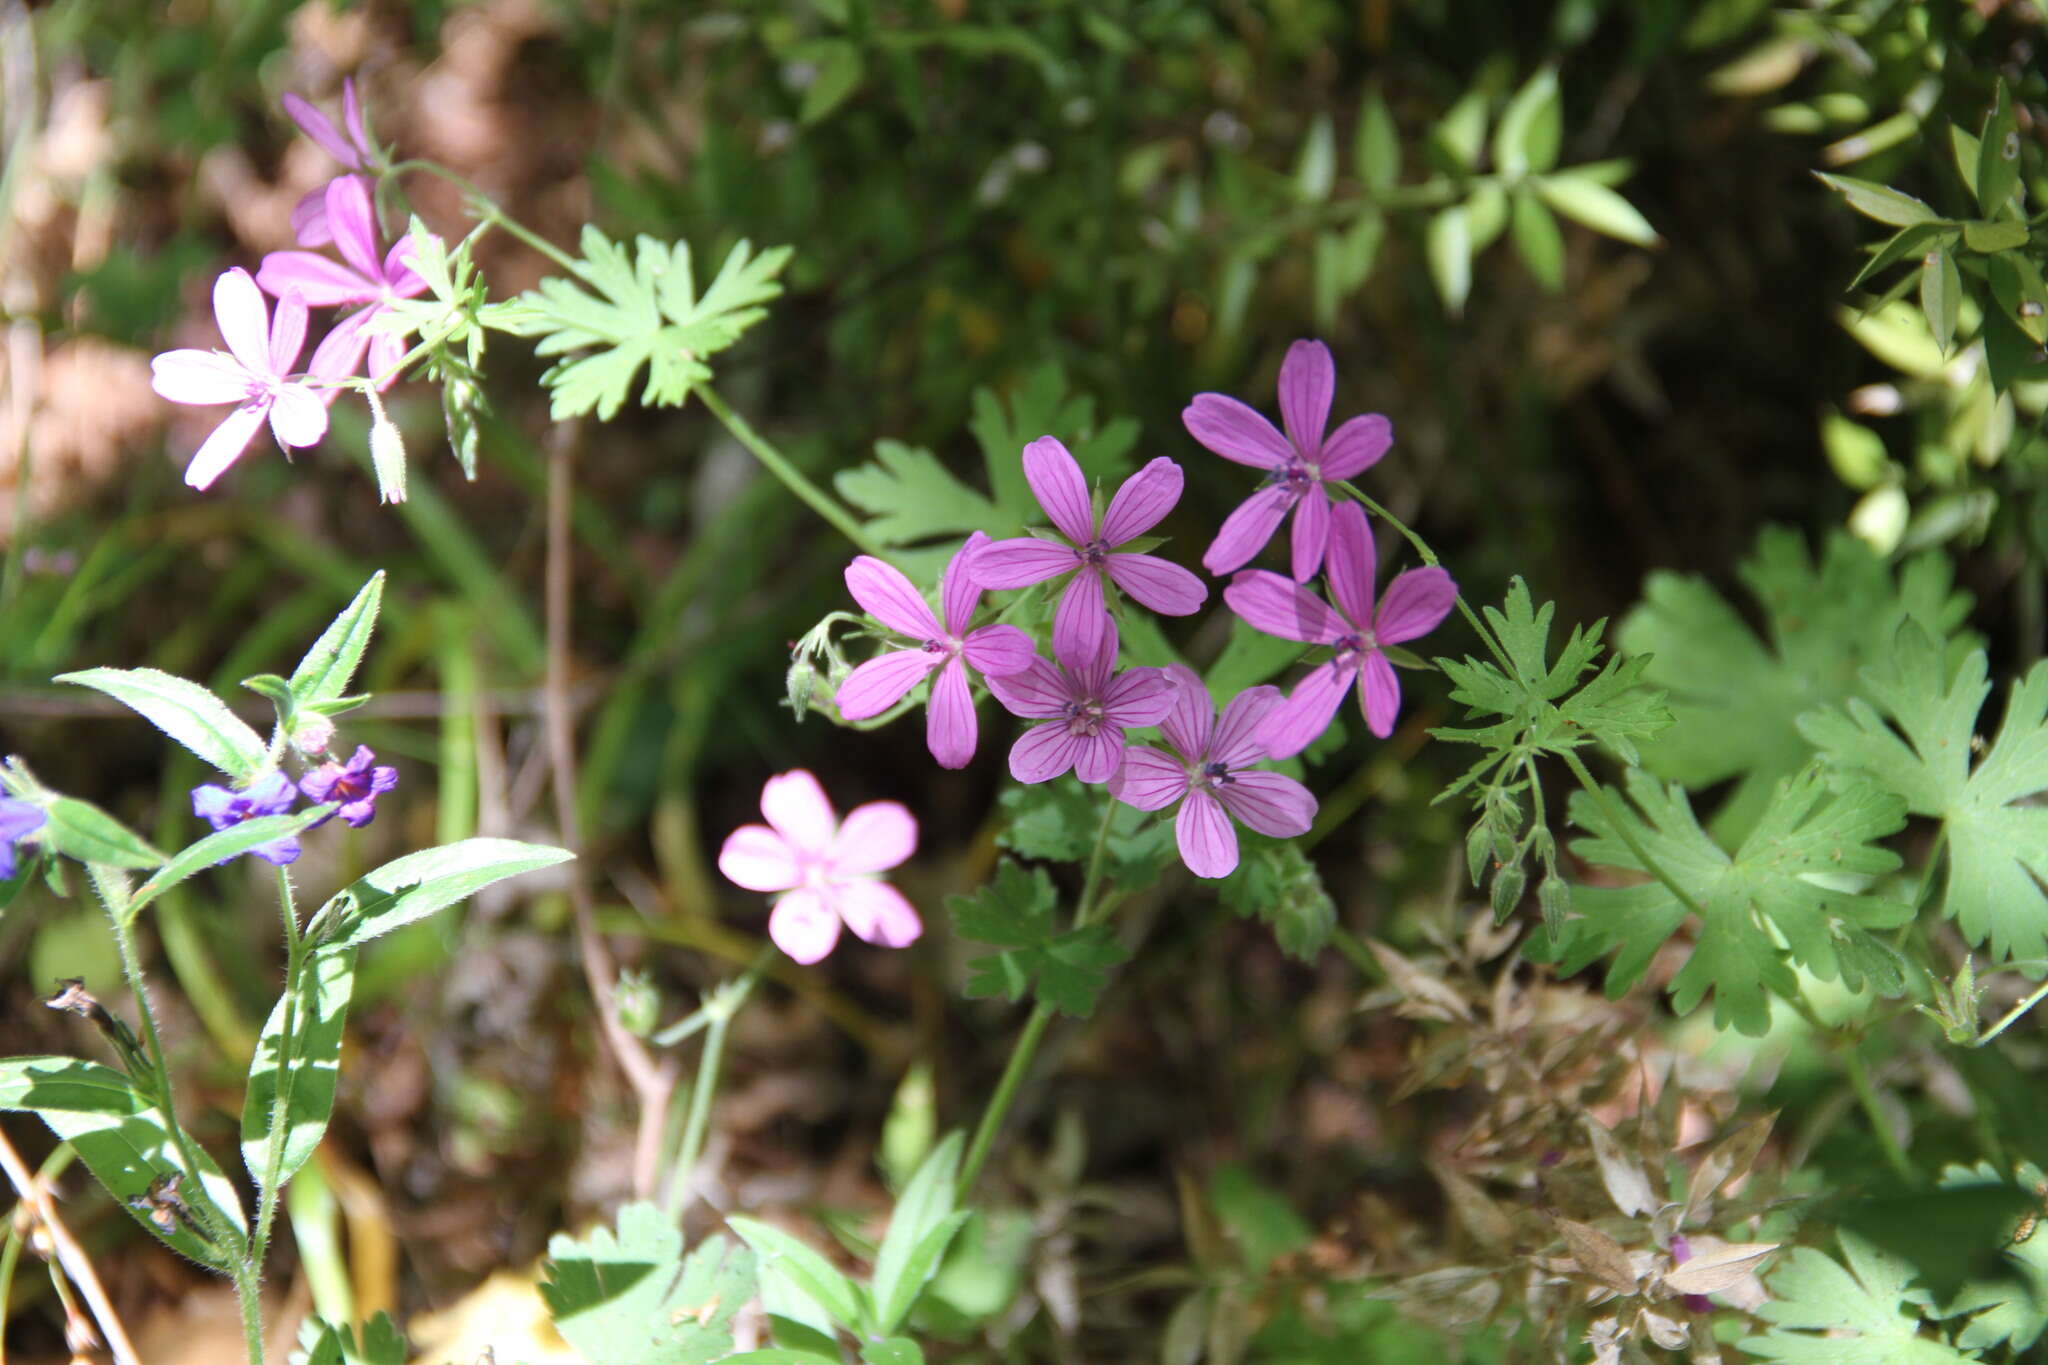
(1626, 1184)
(1423, 996)
(1599, 1255)
(1716, 1266)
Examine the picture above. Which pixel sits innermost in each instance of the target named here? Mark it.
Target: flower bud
(636, 1002)
(387, 452)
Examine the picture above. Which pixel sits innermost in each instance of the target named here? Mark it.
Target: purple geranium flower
(1145, 498)
(1299, 466)
(270, 794)
(1414, 603)
(1209, 772)
(310, 223)
(18, 820)
(889, 597)
(367, 279)
(1086, 708)
(253, 377)
(355, 784)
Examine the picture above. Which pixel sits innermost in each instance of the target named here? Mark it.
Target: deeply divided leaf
(630, 1297)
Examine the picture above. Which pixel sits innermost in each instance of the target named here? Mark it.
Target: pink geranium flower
(253, 376)
(1145, 498)
(826, 869)
(1414, 603)
(367, 279)
(1209, 772)
(1299, 466)
(875, 686)
(1085, 705)
(310, 225)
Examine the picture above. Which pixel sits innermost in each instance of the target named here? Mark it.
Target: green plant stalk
(2013, 1015)
(718, 1011)
(792, 478)
(1880, 1126)
(249, 1295)
(485, 209)
(280, 1100)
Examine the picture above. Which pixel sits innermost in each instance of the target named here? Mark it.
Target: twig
(70, 1255)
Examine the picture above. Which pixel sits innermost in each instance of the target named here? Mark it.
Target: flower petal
(1143, 501)
(1297, 722)
(386, 350)
(1021, 562)
(999, 650)
(1247, 529)
(287, 332)
(1166, 588)
(244, 321)
(1043, 752)
(1038, 691)
(353, 221)
(191, 376)
(949, 726)
(1138, 696)
(1098, 756)
(1062, 490)
(1208, 845)
(796, 805)
(759, 859)
(1379, 694)
(1149, 779)
(874, 838)
(321, 129)
(1308, 380)
(959, 591)
(804, 926)
(1352, 563)
(880, 683)
(1235, 431)
(1278, 606)
(321, 282)
(309, 219)
(878, 913)
(399, 274)
(340, 352)
(1236, 741)
(1192, 716)
(1270, 803)
(226, 445)
(1356, 446)
(1311, 534)
(297, 416)
(1081, 622)
(352, 115)
(891, 598)
(1416, 603)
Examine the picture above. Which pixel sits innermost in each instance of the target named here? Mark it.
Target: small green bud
(636, 1001)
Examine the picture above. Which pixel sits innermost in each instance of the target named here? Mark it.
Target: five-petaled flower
(254, 376)
(367, 279)
(270, 794)
(1145, 498)
(826, 869)
(18, 820)
(875, 686)
(1299, 466)
(356, 152)
(1084, 707)
(1413, 605)
(356, 784)
(1209, 772)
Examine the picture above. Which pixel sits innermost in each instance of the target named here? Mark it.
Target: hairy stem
(280, 1100)
(719, 1009)
(792, 478)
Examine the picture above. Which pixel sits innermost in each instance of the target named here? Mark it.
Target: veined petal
(1143, 501)
(1138, 696)
(1356, 446)
(887, 595)
(759, 859)
(1188, 723)
(1278, 606)
(1297, 722)
(1235, 431)
(1056, 478)
(999, 651)
(340, 352)
(1021, 562)
(959, 591)
(399, 274)
(797, 807)
(880, 683)
(1236, 742)
(1416, 603)
(1080, 622)
(1098, 756)
(321, 129)
(874, 838)
(1308, 380)
(353, 221)
(352, 115)
(878, 913)
(1149, 779)
(226, 445)
(1353, 562)
(1166, 588)
(309, 219)
(1038, 691)
(297, 416)
(949, 725)
(1270, 803)
(804, 926)
(243, 320)
(287, 332)
(1311, 534)
(1247, 529)
(1379, 694)
(1043, 752)
(386, 350)
(321, 282)
(192, 376)
(1208, 845)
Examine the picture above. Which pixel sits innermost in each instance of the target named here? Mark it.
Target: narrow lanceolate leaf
(1998, 156)
(805, 1268)
(324, 674)
(81, 830)
(218, 847)
(1538, 240)
(1941, 297)
(1881, 202)
(1530, 128)
(186, 712)
(1376, 147)
(1448, 244)
(302, 1069)
(409, 889)
(920, 1229)
(1593, 205)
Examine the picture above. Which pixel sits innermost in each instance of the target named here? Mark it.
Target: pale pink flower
(826, 869)
(1299, 466)
(367, 279)
(1413, 605)
(254, 376)
(1085, 705)
(310, 226)
(1209, 772)
(891, 598)
(1062, 490)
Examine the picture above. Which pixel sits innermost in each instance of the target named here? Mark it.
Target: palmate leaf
(1859, 1311)
(1997, 846)
(1768, 890)
(1014, 914)
(632, 1299)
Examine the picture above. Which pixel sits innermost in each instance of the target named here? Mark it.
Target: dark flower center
(1297, 474)
(1214, 774)
(1351, 646)
(1095, 552)
(350, 786)
(1084, 717)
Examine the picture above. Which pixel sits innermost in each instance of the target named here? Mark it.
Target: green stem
(718, 1010)
(1880, 1126)
(249, 1295)
(792, 478)
(2014, 1015)
(280, 1100)
(486, 210)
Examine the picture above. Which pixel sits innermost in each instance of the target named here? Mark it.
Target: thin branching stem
(778, 464)
(719, 1009)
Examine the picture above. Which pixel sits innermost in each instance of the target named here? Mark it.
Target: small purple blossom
(1413, 605)
(1209, 772)
(18, 820)
(368, 279)
(310, 225)
(355, 784)
(1062, 490)
(270, 794)
(1299, 466)
(254, 376)
(1085, 705)
(887, 595)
